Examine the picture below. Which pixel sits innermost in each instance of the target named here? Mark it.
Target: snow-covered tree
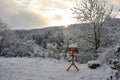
(3, 25)
(55, 45)
(3, 30)
(53, 52)
(94, 12)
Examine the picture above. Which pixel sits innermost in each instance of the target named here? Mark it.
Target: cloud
(19, 18)
(28, 14)
(28, 20)
(52, 4)
(8, 7)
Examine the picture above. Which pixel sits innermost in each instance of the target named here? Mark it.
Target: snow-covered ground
(48, 69)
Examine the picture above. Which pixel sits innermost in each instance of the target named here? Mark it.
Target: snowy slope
(47, 69)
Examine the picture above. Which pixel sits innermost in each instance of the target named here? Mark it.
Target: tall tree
(3, 28)
(3, 25)
(94, 12)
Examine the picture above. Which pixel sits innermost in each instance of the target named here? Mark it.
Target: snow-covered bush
(106, 56)
(114, 64)
(53, 51)
(110, 53)
(84, 57)
(94, 64)
(13, 46)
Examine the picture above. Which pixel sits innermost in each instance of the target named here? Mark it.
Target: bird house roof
(73, 45)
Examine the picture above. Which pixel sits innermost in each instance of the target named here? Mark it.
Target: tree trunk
(95, 37)
(99, 36)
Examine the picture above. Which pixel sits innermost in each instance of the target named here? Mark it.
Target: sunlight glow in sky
(29, 14)
(55, 12)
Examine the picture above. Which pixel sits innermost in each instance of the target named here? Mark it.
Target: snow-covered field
(48, 69)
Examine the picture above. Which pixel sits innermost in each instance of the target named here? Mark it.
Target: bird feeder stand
(73, 49)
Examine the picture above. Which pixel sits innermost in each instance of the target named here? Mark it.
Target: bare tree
(94, 12)
(3, 26)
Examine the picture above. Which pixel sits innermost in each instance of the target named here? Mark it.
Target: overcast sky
(29, 14)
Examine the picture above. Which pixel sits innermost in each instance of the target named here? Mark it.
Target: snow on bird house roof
(73, 45)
